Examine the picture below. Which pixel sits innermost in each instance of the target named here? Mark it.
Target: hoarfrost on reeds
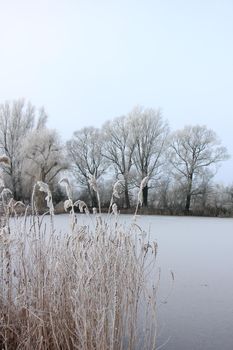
(65, 182)
(142, 185)
(43, 187)
(84, 289)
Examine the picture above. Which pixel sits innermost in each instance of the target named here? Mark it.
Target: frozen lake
(197, 313)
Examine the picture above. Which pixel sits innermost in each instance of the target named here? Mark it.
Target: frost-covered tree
(119, 147)
(85, 152)
(150, 133)
(44, 157)
(17, 120)
(194, 151)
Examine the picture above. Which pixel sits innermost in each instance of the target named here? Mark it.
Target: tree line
(179, 166)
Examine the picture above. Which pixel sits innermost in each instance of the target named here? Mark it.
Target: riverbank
(210, 212)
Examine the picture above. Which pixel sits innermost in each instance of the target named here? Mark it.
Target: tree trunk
(93, 197)
(189, 194)
(40, 202)
(127, 200)
(13, 183)
(188, 201)
(145, 196)
(15, 190)
(94, 201)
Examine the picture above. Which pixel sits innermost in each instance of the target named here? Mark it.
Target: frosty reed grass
(87, 289)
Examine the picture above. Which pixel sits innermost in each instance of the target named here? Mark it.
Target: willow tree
(195, 150)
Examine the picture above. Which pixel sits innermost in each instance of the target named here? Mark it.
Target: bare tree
(17, 120)
(193, 150)
(119, 148)
(44, 156)
(150, 132)
(85, 151)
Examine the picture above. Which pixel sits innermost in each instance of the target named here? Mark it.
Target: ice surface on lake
(198, 314)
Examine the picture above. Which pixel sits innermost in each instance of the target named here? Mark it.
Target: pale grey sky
(87, 61)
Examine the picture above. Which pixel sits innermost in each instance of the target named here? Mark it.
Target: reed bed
(87, 288)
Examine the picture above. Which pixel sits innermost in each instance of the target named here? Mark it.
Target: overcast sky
(87, 61)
